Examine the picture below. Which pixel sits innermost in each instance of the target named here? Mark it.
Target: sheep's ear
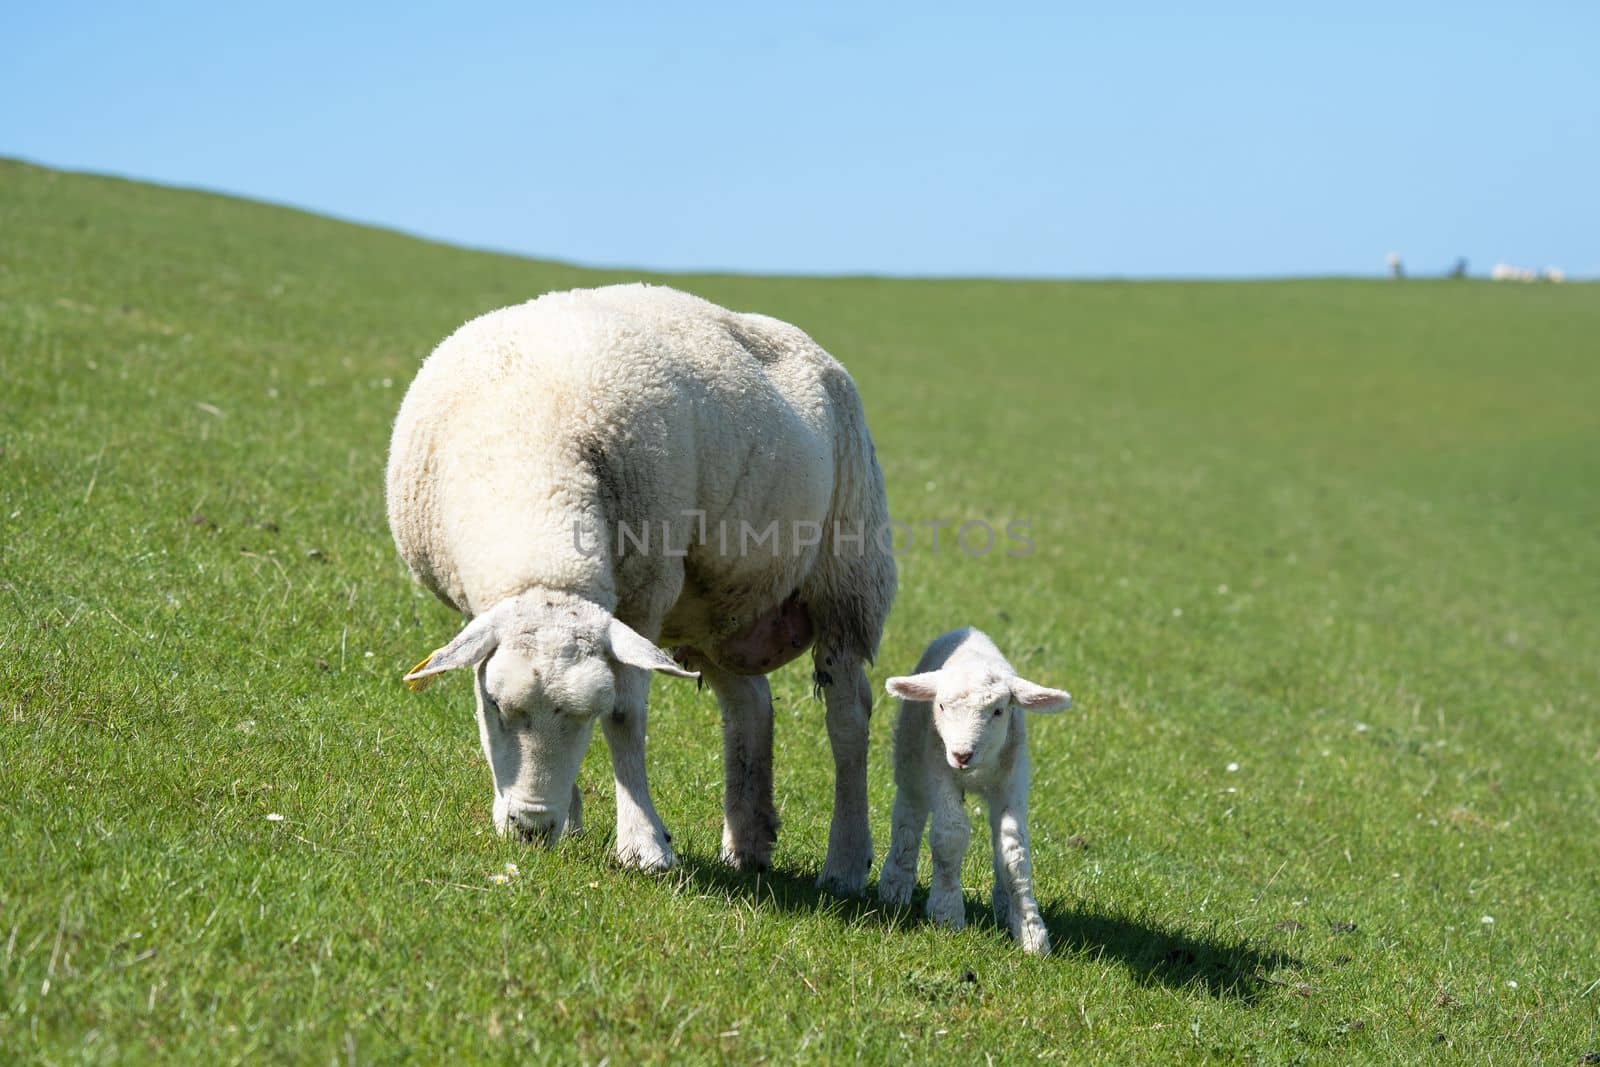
(475, 643)
(914, 686)
(1038, 699)
(630, 647)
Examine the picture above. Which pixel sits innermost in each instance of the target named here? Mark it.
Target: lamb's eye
(998, 710)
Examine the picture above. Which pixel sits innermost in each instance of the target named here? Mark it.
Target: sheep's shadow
(1236, 970)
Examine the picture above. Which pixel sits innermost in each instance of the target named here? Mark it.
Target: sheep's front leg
(843, 682)
(642, 841)
(948, 845)
(575, 813)
(1010, 822)
(749, 819)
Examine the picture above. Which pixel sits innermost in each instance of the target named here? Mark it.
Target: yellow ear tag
(417, 685)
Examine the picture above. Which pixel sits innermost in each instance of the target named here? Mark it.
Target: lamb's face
(538, 697)
(972, 718)
(972, 707)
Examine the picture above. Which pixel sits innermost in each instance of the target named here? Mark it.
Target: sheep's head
(546, 666)
(972, 708)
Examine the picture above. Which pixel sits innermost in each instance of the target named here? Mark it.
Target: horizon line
(801, 275)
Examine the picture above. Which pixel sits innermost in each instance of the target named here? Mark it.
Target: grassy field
(1317, 559)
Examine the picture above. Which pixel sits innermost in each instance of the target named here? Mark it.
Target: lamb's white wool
(962, 730)
(586, 476)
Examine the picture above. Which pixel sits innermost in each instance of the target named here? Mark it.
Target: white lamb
(597, 472)
(962, 730)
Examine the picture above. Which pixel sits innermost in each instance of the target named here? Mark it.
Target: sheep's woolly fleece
(638, 404)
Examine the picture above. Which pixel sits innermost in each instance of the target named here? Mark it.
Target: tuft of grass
(1339, 534)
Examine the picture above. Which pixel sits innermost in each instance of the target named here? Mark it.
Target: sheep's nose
(536, 827)
(960, 759)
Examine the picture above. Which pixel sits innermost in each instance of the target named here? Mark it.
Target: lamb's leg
(898, 878)
(843, 682)
(1000, 896)
(642, 841)
(749, 819)
(1011, 851)
(948, 845)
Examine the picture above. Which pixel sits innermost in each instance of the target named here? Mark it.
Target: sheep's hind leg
(750, 821)
(843, 682)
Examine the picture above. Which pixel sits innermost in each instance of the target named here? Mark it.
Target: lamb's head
(546, 667)
(972, 708)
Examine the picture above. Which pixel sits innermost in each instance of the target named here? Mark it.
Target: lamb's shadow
(1153, 954)
(1236, 970)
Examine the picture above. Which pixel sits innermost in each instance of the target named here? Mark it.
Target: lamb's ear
(1038, 699)
(631, 647)
(914, 686)
(475, 643)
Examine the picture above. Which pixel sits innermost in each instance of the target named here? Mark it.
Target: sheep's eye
(998, 710)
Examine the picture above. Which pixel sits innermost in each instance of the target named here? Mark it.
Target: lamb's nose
(961, 759)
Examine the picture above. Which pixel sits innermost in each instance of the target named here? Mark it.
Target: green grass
(1342, 534)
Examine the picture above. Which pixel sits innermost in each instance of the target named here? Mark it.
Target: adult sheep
(596, 473)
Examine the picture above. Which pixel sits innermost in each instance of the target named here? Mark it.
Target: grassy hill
(1318, 560)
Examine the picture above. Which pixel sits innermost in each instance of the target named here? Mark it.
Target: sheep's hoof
(747, 842)
(895, 888)
(650, 856)
(747, 862)
(842, 885)
(844, 872)
(846, 879)
(944, 911)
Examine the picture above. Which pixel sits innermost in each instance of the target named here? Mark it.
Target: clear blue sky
(1249, 140)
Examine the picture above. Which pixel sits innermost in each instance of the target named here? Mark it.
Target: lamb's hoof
(895, 887)
(1034, 941)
